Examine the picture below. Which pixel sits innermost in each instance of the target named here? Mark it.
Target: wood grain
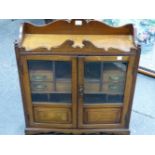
(52, 115)
(102, 115)
(33, 41)
(92, 41)
(69, 27)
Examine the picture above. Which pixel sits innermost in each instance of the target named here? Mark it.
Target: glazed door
(102, 91)
(50, 88)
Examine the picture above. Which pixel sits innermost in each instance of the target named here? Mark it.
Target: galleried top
(77, 34)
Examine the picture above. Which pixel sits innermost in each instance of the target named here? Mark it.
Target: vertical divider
(101, 76)
(54, 75)
(74, 92)
(80, 96)
(26, 89)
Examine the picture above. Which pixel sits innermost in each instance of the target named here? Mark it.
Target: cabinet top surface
(57, 33)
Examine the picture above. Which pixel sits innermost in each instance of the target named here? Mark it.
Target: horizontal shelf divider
(101, 93)
(55, 104)
(57, 80)
(51, 93)
(92, 80)
(100, 105)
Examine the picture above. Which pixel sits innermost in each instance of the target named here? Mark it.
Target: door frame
(128, 90)
(26, 89)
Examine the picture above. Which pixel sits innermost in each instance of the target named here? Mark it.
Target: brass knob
(81, 90)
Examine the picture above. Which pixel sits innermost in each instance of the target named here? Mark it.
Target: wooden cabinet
(77, 78)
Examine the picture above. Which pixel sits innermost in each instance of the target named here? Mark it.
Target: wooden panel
(52, 115)
(70, 27)
(130, 88)
(102, 115)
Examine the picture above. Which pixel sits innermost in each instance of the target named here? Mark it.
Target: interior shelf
(101, 93)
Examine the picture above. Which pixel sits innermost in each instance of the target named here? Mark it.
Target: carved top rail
(76, 35)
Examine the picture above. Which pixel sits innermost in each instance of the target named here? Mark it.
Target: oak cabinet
(77, 78)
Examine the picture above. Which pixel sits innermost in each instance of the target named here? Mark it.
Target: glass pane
(50, 81)
(63, 70)
(104, 82)
(92, 70)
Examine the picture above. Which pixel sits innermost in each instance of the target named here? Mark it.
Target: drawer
(41, 75)
(52, 115)
(102, 115)
(63, 86)
(42, 87)
(113, 88)
(92, 87)
(113, 76)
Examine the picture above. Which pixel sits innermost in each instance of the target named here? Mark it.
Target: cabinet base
(35, 131)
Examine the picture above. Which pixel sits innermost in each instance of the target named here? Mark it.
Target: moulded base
(36, 131)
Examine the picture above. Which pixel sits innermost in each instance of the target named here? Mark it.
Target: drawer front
(52, 115)
(113, 88)
(63, 86)
(41, 75)
(99, 116)
(92, 86)
(42, 87)
(113, 76)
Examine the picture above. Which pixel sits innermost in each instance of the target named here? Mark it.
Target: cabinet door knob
(81, 90)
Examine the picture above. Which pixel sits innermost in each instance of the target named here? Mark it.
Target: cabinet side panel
(20, 72)
(130, 88)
